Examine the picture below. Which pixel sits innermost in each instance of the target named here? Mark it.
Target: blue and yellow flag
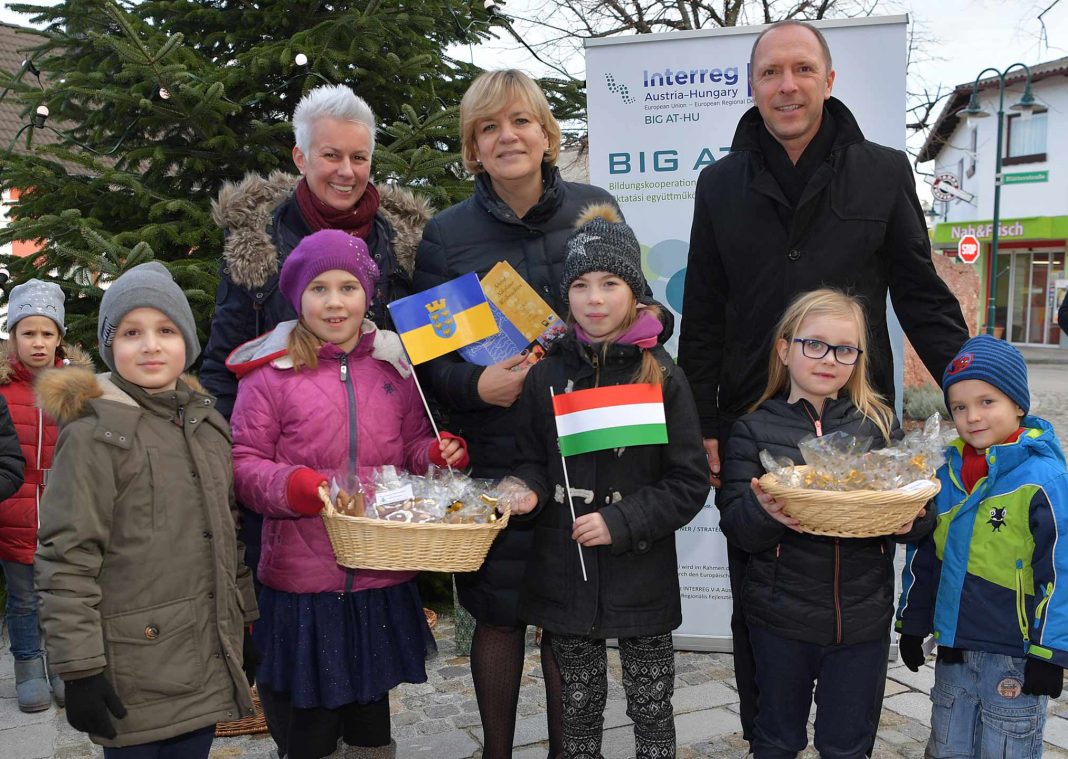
(443, 318)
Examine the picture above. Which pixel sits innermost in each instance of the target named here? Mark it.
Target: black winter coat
(1062, 315)
(811, 588)
(645, 493)
(858, 226)
(12, 462)
(472, 236)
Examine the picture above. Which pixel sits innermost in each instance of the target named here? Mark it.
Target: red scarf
(973, 464)
(356, 221)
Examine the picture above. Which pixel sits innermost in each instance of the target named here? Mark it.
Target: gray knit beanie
(35, 298)
(602, 241)
(147, 285)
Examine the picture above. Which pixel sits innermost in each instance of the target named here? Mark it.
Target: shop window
(1026, 141)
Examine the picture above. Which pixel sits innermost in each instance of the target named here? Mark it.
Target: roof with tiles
(15, 45)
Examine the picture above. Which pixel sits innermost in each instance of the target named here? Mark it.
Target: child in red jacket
(35, 323)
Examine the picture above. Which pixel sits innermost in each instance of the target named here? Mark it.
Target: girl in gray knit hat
(35, 323)
(634, 490)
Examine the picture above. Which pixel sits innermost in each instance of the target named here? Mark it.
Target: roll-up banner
(662, 107)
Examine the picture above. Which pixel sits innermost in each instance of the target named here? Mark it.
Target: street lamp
(1026, 104)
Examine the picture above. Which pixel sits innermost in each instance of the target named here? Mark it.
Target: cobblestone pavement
(439, 719)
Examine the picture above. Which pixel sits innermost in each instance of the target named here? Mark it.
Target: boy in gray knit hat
(150, 286)
(137, 535)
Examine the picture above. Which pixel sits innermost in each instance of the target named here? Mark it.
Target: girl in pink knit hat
(329, 392)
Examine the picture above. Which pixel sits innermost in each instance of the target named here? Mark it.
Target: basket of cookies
(846, 490)
(389, 519)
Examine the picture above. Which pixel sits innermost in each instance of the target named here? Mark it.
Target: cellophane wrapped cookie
(840, 461)
(391, 494)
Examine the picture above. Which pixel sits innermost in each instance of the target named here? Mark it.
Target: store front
(1032, 276)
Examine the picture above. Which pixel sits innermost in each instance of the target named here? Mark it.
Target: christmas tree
(157, 103)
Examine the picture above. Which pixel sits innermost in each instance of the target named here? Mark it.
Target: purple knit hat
(322, 251)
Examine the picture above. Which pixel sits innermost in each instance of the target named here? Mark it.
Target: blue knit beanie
(994, 361)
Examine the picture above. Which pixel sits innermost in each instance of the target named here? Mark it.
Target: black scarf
(793, 178)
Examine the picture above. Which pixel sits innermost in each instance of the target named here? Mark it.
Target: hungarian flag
(610, 417)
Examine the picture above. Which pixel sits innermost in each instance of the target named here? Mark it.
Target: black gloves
(911, 649)
(250, 657)
(89, 699)
(1041, 678)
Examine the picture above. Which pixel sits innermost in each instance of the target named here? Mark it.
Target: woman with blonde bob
(818, 608)
(521, 212)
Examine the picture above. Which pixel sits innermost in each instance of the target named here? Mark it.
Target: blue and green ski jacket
(993, 576)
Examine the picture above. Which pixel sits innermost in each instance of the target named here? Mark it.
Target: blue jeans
(979, 710)
(847, 685)
(194, 745)
(22, 611)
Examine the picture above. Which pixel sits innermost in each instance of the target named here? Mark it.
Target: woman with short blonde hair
(521, 212)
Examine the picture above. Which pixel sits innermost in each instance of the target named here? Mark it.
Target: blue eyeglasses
(817, 349)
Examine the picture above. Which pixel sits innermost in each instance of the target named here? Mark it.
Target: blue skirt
(331, 649)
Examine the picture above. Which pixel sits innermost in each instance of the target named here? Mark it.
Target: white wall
(1048, 198)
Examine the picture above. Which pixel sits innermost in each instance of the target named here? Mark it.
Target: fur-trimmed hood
(64, 393)
(244, 209)
(76, 357)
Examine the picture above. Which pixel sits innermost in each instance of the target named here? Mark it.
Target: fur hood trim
(64, 393)
(76, 357)
(244, 209)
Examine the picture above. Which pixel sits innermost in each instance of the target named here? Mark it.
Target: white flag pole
(570, 504)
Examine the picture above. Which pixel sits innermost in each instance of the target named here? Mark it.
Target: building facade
(1031, 278)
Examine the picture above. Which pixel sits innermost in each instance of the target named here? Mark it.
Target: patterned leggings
(648, 680)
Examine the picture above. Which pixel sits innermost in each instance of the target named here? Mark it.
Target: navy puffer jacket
(812, 588)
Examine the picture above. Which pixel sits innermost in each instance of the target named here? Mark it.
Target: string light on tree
(164, 93)
(40, 116)
(300, 59)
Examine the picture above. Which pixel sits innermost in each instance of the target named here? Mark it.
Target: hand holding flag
(615, 416)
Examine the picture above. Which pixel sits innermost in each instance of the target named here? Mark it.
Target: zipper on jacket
(1046, 593)
(1021, 601)
(837, 600)
(596, 368)
(351, 394)
(817, 422)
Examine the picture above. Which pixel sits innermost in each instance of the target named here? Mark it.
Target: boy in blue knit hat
(985, 582)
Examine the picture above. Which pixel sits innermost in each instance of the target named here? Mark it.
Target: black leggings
(313, 733)
(497, 669)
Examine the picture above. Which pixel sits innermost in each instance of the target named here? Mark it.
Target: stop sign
(968, 249)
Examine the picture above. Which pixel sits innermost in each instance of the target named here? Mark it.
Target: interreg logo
(620, 89)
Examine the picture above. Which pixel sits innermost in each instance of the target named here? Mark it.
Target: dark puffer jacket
(472, 236)
(645, 493)
(858, 226)
(811, 588)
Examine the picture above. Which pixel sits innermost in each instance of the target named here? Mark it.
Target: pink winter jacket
(323, 419)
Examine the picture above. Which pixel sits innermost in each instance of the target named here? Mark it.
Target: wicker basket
(365, 543)
(246, 725)
(850, 513)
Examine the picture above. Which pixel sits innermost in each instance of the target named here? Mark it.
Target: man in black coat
(802, 201)
(1062, 315)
